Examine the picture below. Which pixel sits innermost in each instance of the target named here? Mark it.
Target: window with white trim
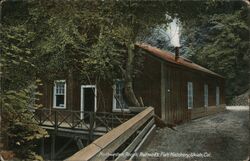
(217, 95)
(119, 103)
(190, 94)
(59, 94)
(206, 95)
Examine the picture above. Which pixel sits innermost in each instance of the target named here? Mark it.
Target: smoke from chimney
(174, 33)
(174, 36)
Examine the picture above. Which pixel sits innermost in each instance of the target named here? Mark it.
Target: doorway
(88, 99)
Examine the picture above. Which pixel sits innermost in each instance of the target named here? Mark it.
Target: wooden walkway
(121, 143)
(78, 126)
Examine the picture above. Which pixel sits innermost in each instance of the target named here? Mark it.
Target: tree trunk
(70, 87)
(128, 88)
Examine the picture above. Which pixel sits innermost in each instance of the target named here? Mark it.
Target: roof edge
(182, 61)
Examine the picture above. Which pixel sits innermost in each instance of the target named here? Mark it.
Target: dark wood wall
(174, 95)
(147, 84)
(73, 94)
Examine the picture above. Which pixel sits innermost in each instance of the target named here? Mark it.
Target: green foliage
(19, 126)
(16, 55)
(220, 41)
(17, 83)
(102, 60)
(46, 39)
(90, 37)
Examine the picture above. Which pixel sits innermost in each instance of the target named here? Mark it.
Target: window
(190, 95)
(206, 95)
(59, 98)
(118, 99)
(217, 96)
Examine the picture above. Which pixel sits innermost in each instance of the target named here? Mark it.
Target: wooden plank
(63, 147)
(198, 110)
(194, 116)
(79, 143)
(150, 132)
(163, 92)
(136, 141)
(109, 142)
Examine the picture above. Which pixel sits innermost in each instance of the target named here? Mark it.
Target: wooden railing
(124, 139)
(78, 120)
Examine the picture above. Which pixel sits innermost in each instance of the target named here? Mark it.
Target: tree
(129, 20)
(220, 41)
(95, 35)
(17, 83)
(214, 34)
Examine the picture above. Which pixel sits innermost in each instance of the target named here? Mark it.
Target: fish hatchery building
(177, 88)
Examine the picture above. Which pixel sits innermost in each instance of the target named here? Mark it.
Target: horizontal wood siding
(205, 111)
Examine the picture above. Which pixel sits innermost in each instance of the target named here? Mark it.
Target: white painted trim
(82, 98)
(114, 109)
(192, 94)
(206, 103)
(217, 96)
(54, 96)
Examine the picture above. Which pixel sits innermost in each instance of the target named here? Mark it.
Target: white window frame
(217, 95)
(54, 94)
(190, 93)
(205, 95)
(82, 98)
(114, 108)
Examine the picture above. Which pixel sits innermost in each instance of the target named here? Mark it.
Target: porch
(81, 127)
(79, 121)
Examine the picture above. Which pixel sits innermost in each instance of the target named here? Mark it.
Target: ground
(224, 136)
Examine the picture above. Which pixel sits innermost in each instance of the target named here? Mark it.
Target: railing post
(73, 119)
(40, 116)
(56, 121)
(42, 147)
(112, 121)
(110, 142)
(53, 145)
(91, 125)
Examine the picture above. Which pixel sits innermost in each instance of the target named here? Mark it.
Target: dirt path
(224, 136)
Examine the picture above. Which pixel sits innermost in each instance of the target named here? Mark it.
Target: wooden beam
(79, 143)
(136, 141)
(144, 140)
(163, 91)
(42, 147)
(64, 147)
(53, 146)
(109, 142)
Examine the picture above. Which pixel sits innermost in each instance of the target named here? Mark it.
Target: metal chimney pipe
(177, 53)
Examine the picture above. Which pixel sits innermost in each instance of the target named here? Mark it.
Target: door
(88, 100)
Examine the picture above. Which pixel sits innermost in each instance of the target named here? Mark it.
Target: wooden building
(177, 88)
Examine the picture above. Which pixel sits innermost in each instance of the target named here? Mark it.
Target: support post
(79, 143)
(42, 147)
(64, 147)
(56, 121)
(91, 123)
(53, 146)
